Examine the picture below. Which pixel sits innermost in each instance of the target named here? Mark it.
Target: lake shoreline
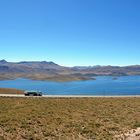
(12, 92)
(102, 86)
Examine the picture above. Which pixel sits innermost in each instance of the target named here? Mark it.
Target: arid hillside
(10, 91)
(50, 71)
(68, 118)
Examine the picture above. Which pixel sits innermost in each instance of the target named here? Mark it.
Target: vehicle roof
(27, 91)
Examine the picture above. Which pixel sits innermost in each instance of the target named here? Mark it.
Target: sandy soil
(133, 134)
(11, 91)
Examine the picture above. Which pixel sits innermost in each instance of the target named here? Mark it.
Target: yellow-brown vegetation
(67, 118)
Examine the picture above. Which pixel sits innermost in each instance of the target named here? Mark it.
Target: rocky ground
(133, 134)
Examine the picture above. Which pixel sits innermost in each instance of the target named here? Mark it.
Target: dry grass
(67, 118)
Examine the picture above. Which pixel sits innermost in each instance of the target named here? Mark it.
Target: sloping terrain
(10, 91)
(68, 118)
(43, 70)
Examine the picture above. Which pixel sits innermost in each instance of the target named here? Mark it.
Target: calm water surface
(103, 85)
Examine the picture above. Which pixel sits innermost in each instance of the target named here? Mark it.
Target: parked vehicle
(33, 93)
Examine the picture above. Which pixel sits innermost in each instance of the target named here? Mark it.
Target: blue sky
(71, 32)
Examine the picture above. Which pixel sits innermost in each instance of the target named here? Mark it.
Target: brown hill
(43, 70)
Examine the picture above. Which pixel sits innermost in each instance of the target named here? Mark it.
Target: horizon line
(70, 65)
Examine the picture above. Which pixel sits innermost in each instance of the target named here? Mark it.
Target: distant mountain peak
(3, 61)
(52, 63)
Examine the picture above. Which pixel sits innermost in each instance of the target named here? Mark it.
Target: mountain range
(43, 70)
